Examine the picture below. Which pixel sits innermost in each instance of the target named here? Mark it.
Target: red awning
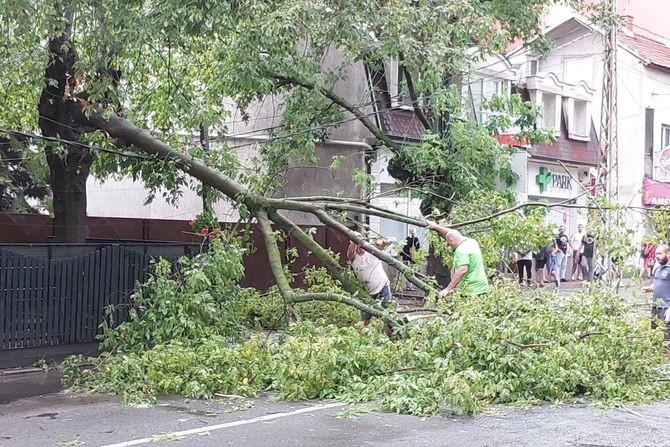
(655, 193)
(510, 139)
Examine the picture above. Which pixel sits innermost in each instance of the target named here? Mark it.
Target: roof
(402, 124)
(652, 52)
(565, 149)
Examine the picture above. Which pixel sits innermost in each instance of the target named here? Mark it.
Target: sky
(649, 16)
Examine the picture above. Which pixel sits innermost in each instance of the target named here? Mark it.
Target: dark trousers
(658, 314)
(527, 265)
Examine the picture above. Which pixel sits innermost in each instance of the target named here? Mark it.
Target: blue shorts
(384, 297)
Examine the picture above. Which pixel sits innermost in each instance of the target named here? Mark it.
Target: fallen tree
(509, 347)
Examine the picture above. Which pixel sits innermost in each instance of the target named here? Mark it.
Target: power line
(76, 143)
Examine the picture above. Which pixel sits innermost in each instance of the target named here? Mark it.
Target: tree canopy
(169, 66)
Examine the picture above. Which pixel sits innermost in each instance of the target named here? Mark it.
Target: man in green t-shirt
(468, 262)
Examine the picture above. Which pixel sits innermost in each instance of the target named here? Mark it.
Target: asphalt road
(101, 421)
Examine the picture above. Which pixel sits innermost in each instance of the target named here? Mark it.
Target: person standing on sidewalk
(408, 253)
(524, 261)
(588, 251)
(542, 258)
(661, 288)
(577, 249)
(560, 254)
(469, 268)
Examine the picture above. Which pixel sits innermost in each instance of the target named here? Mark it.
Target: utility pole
(608, 167)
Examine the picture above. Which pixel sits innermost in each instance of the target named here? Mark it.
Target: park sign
(550, 182)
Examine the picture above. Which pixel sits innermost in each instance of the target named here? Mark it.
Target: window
(665, 136)
(475, 94)
(534, 67)
(579, 69)
(550, 117)
(397, 84)
(649, 142)
(578, 119)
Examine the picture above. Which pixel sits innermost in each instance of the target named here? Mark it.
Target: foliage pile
(193, 302)
(265, 311)
(509, 347)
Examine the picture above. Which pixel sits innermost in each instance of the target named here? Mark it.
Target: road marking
(210, 428)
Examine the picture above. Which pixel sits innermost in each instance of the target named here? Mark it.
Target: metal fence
(57, 294)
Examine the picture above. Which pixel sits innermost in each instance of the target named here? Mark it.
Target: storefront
(551, 183)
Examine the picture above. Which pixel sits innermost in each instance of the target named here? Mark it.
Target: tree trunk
(68, 181)
(69, 162)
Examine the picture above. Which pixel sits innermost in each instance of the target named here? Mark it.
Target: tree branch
(305, 297)
(381, 136)
(413, 97)
(344, 276)
(273, 255)
(512, 209)
(358, 239)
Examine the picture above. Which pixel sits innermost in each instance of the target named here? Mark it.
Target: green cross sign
(543, 179)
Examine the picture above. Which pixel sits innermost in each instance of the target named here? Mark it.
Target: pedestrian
(408, 253)
(588, 251)
(469, 268)
(661, 288)
(643, 258)
(652, 259)
(542, 257)
(560, 253)
(577, 249)
(370, 271)
(648, 260)
(524, 261)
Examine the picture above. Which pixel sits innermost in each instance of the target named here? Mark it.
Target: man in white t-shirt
(370, 271)
(577, 246)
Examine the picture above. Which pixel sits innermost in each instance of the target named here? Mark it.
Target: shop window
(665, 136)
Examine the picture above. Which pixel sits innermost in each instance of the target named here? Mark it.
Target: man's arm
(381, 244)
(439, 229)
(351, 251)
(455, 280)
(650, 287)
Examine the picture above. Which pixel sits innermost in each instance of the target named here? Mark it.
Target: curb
(21, 371)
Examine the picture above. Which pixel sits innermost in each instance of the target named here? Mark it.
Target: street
(62, 419)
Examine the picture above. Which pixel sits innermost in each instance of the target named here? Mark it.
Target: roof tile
(565, 149)
(653, 51)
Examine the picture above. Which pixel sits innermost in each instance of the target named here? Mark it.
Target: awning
(510, 139)
(655, 193)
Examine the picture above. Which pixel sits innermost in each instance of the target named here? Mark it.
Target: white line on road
(209, 428)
